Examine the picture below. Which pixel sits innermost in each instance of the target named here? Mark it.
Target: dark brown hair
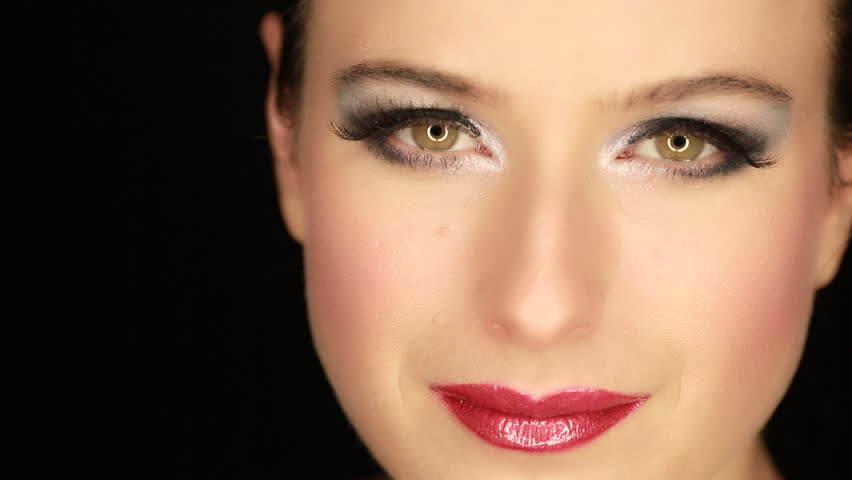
(841, 82)
(295, 17)
(296, 14)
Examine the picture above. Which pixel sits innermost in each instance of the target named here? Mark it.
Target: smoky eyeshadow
(746, 136)
(362, 123)
(740, 144)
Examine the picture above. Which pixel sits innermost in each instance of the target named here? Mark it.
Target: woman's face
(555, 229)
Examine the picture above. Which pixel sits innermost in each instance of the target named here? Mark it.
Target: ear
(838, 222)
(281, 129)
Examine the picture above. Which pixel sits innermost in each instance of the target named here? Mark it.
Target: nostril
(539, 329)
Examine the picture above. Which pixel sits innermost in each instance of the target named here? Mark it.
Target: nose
(540, 261)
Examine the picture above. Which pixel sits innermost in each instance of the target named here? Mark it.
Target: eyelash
(375, 126)
(739, 148)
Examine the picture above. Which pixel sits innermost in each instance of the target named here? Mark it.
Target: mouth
(509, 419)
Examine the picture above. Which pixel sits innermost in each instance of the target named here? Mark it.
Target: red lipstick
(510, 419)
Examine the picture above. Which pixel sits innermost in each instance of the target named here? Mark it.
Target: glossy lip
(510, 419)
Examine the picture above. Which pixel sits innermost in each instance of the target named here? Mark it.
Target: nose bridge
(538, 261)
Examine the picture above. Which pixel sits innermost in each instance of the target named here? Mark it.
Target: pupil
(679, 141)
(436, 131)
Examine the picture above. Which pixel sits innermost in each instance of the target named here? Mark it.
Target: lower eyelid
(418, 159)
(649, 163)
(450, 161)
(398, 146)
(669, 169)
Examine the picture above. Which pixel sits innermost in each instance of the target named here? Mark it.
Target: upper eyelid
(414, 115)
(744, 152)
(381, 120)
(426, 119)
(746, 145)
(432, 114)
(652, 127)
(635, 132)
(663, 91)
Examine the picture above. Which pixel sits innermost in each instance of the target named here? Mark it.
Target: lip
(510, 419)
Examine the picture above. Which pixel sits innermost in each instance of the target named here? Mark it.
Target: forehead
(552, 49)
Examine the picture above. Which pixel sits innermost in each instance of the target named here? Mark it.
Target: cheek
(348, 280)
(731, 288)
(348, 277)
(761, 292)
(757, 299)
(378, 259)
(750, 330)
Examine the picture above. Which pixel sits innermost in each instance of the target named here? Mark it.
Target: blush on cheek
(366, 264)
(344, 273)
(759, 300)
(767, 321)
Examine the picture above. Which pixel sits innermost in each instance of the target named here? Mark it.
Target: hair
(840, 99)
(297, 12)
(295, 16)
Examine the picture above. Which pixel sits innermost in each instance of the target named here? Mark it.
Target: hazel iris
(435, 136)
(679, 147)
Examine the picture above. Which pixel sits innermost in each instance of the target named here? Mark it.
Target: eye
(419, 137)
(692, 148)
(678, 147)
(436, 137)
(681, 147)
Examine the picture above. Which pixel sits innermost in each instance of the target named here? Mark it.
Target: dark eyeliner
(740, 147)
(364, 124)
(375, 124)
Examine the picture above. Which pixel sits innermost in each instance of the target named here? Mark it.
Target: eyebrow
(682, 88)
(662, 92)
(397, 72)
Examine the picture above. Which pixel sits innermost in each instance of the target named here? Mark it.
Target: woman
(563, 240)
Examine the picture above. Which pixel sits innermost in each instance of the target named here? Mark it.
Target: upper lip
(565, 402)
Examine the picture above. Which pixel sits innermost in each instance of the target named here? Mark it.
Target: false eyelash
(740, 147)
(385, 118)
(374, 124)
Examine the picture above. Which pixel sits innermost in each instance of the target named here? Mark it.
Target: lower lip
(531, 432)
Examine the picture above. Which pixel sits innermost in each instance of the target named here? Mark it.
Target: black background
(195, 360)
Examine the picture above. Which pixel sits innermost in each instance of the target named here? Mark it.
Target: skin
(553, 269)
